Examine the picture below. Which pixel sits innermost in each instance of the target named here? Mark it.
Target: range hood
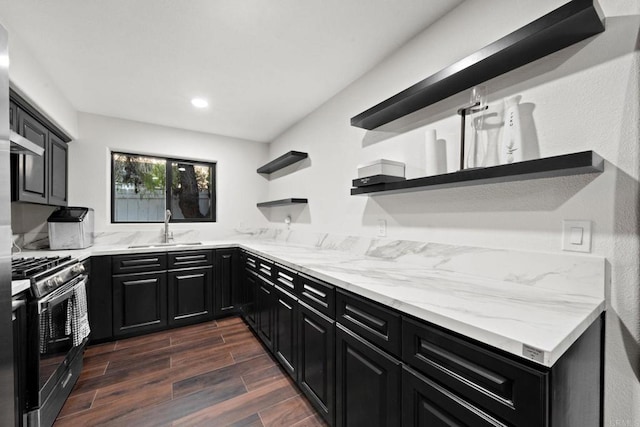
(21, 145)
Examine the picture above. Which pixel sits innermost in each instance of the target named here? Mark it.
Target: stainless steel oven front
(55, 349)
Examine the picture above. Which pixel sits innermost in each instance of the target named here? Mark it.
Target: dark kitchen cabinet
(316, 360)
(13, 121)
(367, 383)
(100, 299)
(250, 308)
(139, 303)
(19, 318)
(227, 297)
(190, 295)
(39, 179)
(265, 308)
(427, 404)
(286, 339)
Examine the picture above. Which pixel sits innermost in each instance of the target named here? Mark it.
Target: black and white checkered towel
(77, 324)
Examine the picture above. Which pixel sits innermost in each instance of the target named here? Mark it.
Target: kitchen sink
(164, 245)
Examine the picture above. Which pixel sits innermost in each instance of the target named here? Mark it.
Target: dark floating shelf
(283, 161)
(569, 24)
(282, 202)
(568, 164)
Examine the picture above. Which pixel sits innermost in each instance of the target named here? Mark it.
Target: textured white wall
(238, 185)
(585, 97)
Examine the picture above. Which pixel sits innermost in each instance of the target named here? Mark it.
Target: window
(144, 187)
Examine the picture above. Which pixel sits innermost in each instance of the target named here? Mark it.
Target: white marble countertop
(511, 314)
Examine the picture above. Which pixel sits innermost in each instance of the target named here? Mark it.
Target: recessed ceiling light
(199, 103)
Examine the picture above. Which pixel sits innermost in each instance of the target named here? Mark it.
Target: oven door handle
(54, 300)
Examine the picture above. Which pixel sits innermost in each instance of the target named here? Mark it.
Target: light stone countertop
(543, 310)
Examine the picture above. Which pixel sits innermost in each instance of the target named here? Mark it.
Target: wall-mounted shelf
(569, 24)
(282, 202)
(567, 164)
(283, 161)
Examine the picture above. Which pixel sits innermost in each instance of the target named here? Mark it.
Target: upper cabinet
(569, 24)
(38, 179)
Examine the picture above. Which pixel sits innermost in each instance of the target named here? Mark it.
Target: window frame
(167, 191)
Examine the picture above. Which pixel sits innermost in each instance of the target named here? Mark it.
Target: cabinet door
(226, 286)
(367, 383)
(13, 121)
(286, 339)
(190, 295)
(426, 404)
(57, 171)
(139, 303)
(265, 308)
(100, 299)
(316, 353)
(32, 170)
(251, 310)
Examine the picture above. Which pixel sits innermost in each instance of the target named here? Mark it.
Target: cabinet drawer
(317, 294)
(139, 263)
(427, 404)
(265, 268)
(370, 320)
(285, 278)
(508, 390)
(187, 259)
(250, 261)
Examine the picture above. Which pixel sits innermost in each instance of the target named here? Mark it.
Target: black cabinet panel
(32, 170)
(139, 303)
(139, 263)
(370, 320)
(265, 307)
(509, 390)
(317, 294)
(189, 259)
(316, 360)
(367, 383)
(190, 295)
(251, 309)
(427, 404)
(100, 299)
(265, 268)
(286, 338)
(13, 120)
(226, 286)
(57, 171)
(285, 278)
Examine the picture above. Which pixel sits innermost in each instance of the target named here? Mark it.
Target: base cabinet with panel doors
(228, 297)
(361, 363)
(38, 179)
(140, 293)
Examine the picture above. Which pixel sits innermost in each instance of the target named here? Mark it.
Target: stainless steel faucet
(167, 234)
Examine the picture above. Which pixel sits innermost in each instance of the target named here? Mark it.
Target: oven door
(55, 343)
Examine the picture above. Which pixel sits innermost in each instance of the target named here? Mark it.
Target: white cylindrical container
(436, 154)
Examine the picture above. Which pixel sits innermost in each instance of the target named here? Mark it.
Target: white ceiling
(263, 65)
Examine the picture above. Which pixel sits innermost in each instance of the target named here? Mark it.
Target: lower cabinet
(316, 357)
(140, 303)
(227, 289)
(265, 304)
(286, 338)
(190, 299)
(251, 297)
(427, 404)
(367, 383)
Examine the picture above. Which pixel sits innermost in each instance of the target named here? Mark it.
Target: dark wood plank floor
(211, 374)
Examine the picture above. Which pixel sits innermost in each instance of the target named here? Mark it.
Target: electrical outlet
(576, 236)
(382, 228)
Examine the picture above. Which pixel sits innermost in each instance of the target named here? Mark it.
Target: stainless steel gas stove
(57, 330)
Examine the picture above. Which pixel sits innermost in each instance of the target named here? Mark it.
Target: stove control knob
(78, 269)
(57, 281)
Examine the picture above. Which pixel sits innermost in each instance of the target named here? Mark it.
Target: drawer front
(285, 278)
(139, 263)
(250, 261)
(427, 404)
(188, 259)
(317, 294)
(370, 320)
(265, 268)
(505, 388)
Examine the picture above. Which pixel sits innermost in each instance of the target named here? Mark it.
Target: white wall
(238, 184)
(585, 97)
(30, 80)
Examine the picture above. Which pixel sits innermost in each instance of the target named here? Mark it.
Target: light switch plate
(576, 235)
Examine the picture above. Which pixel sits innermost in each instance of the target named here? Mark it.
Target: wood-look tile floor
(211, 374)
